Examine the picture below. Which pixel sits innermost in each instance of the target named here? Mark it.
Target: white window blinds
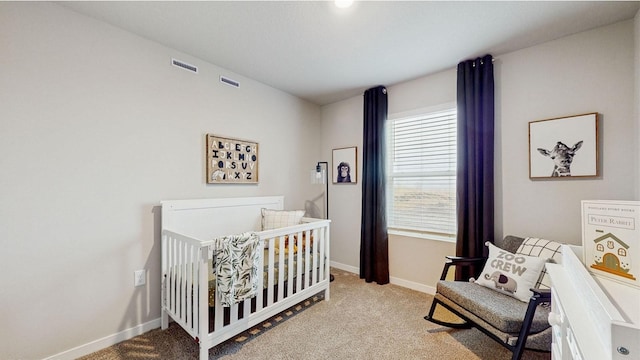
(421, 172)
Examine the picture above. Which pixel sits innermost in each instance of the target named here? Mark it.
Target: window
(421, 174)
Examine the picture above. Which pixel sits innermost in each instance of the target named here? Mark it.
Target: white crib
(188, 230)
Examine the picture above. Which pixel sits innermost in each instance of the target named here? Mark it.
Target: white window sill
(425, 236)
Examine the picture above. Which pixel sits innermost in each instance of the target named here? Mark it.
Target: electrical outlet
(139, 277)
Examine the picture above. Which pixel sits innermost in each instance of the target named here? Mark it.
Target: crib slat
(176, 280)
(307, 267)
(270, 276)
(314, 267)
(293, 243)
(190, 268)
(183, 271)
(184, 296)
(261, 285)
(281, 265)
(186, 286)
(194, 289)
(179, 290)
(219, 313)
(247, 309)
(201, 310)
(172, 272)
(233, 309)
(218, 308)
(299, 269)
(302, 264)
(169, 273)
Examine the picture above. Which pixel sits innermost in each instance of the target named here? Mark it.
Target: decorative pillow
(550, 250)
(275, 219)
(511, 274)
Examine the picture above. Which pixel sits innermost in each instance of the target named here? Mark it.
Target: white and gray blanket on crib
(236, 266)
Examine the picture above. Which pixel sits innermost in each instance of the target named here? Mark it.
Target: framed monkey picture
(345, 166)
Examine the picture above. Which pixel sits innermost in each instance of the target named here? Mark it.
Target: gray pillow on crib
(275, 219)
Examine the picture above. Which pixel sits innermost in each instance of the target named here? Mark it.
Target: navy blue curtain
(374, 240)
(475, 189)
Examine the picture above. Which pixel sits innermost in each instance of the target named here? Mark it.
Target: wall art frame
(231, 161)
(564, 147)
(345, 165)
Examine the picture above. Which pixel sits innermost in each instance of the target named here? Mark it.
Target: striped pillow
(542, 248)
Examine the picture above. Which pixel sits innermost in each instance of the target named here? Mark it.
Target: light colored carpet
(361, 321)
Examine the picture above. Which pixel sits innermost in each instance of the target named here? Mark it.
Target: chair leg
(518, 349)
(432, 309)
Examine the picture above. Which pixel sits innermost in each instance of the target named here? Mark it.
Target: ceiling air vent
(229, 82)
(184, 65)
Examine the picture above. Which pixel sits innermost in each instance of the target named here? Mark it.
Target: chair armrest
(459, 261)
(541, 294)
(455, 260)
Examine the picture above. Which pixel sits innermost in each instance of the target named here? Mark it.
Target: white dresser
(592, 318)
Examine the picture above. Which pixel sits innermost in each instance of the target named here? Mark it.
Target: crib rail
(296, 265)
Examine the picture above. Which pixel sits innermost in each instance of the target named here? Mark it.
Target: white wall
(636, 61)
(96, 128)
(587, 72)
(342, 127)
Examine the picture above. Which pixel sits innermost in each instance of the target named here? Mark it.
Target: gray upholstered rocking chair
(514, 324)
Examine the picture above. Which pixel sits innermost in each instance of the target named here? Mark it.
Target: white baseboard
(393, 280)
(349, 268)
(127, 334)
(106, 341)
(413, 285)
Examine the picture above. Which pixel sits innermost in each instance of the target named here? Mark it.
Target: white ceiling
(318, 52)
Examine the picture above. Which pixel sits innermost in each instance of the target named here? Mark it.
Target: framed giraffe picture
(565, 147)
